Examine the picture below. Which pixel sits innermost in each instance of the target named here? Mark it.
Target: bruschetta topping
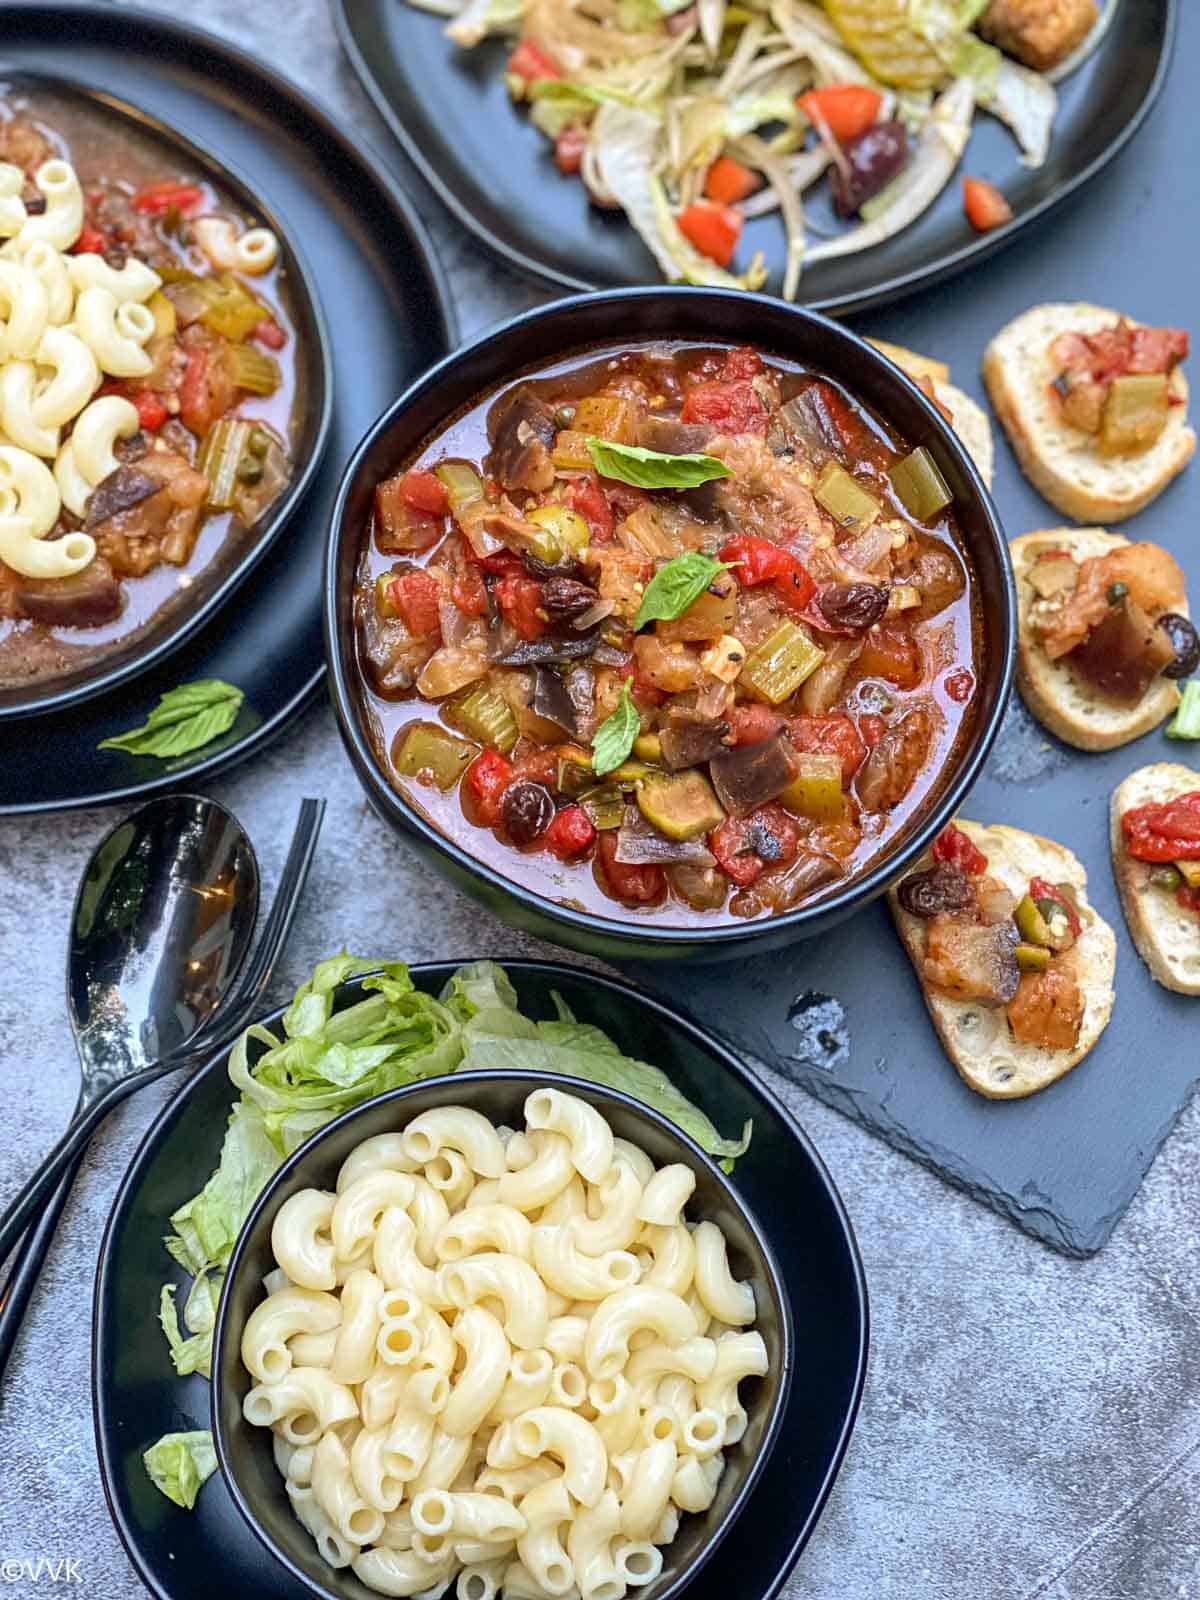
(1114, 383)
(1166, 835)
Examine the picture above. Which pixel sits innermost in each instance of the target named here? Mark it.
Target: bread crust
(1060, 462)
(977, 1038)
(968, 418)
(1166, 937)
(1057, 698)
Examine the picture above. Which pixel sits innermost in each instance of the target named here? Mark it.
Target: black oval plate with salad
(596, 143)
(259, 660)
(188, 1550)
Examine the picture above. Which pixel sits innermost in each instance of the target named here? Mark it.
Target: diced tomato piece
(637, 885)
(425, 491)
(893, 654)
(728, 181)
(751, 723)
(195, 402)
(570, 834)
(1154, 350)
(269, 332)
(872, 728)
(417, 596)
(646, 695)
(954, 848)
(757, 561)
(985, 206)
(1039, 889)
(960, 685)
(401, 525)
(625, 498)
(746, 846)
(488, 776)
(589, 499)
(539, 765)
(520, 600)
(846, 109)
(170, 195)
(743, 361)
(1164, 830)
(569, 148)
(503, 564)
(151, 411)
(832, 735)
(733, 407)
(531, 62)
(1188, 898)
(468, 593)
(714, 230)
(91, 242)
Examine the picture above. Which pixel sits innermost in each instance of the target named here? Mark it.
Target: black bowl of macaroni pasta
(501, 1334)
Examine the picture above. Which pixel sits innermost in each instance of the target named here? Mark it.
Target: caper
(250, 471)
(259, 443)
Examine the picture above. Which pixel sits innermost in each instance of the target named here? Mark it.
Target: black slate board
(1065, 1164)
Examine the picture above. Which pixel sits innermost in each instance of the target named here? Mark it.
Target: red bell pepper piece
(952, 847)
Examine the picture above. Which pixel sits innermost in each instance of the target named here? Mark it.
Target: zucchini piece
(605, 806)
(648, 747)
(816, 790)
(427, 753)
(681, 805)
(781, 663)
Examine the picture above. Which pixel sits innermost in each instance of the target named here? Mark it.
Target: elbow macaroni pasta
(497, 1363)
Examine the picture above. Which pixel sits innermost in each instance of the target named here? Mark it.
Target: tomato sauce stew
(189, 418)
(672, 631)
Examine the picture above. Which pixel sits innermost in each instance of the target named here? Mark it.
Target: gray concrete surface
(1031, 1428)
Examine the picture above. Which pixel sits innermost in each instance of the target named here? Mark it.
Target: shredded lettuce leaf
(325, 1063)
(478, 18)
(180, 1463)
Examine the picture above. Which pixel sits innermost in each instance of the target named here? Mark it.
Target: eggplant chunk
(84, 600)
(522, 432)
(972, 961)
(124, 488)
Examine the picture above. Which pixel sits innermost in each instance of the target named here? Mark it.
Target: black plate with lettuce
(451, 111)
(342, 1040)
(389, 316)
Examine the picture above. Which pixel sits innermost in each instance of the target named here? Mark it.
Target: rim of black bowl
(690, 1150)
(82, 684)
(859, 890)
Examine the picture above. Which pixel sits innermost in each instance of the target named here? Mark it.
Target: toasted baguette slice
(970, 419)
(1060, 461)
(1166, 936)
(977, 1038)
(1059, 699)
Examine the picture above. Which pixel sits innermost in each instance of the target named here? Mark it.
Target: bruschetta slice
(1015, 965)
(1103, 634)
(1156, 862)
(1094, 405)
(967, 417)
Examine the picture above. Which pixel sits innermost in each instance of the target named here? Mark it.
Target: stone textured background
(1031, 1428)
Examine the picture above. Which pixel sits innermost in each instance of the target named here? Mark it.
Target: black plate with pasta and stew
(839, 152)
(163, 390)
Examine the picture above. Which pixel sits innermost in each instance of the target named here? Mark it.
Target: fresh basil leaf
(614, 737)
(651, 469)
(184, 719)
(676, 586)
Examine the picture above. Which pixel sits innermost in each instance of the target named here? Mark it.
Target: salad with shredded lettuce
(693, 116)
(328, 1061)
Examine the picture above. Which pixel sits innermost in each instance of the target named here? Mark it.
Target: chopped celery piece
(228, 307)
(781, 663)
(816, 790)
(574, 771)
(919, 485)
(605, 806)
(252, 369)
(484, 715)
(1032, 957)
(681, 805)
(164, 314)
(430, 754)
(648, 747)
(1185, 724)
(565, 525)
(461, 483)
(226, 447)
(1135, 413)
(845, 499)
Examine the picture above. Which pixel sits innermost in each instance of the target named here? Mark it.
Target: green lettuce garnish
(180, 1463)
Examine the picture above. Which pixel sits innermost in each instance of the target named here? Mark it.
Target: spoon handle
(37, 1190)
(27, 1264)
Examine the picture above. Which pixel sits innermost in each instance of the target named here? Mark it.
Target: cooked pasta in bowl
(496, 1338)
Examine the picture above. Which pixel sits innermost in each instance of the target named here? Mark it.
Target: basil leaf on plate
(651, 469)
(614, 737)
(676, 586)
(183, 720)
